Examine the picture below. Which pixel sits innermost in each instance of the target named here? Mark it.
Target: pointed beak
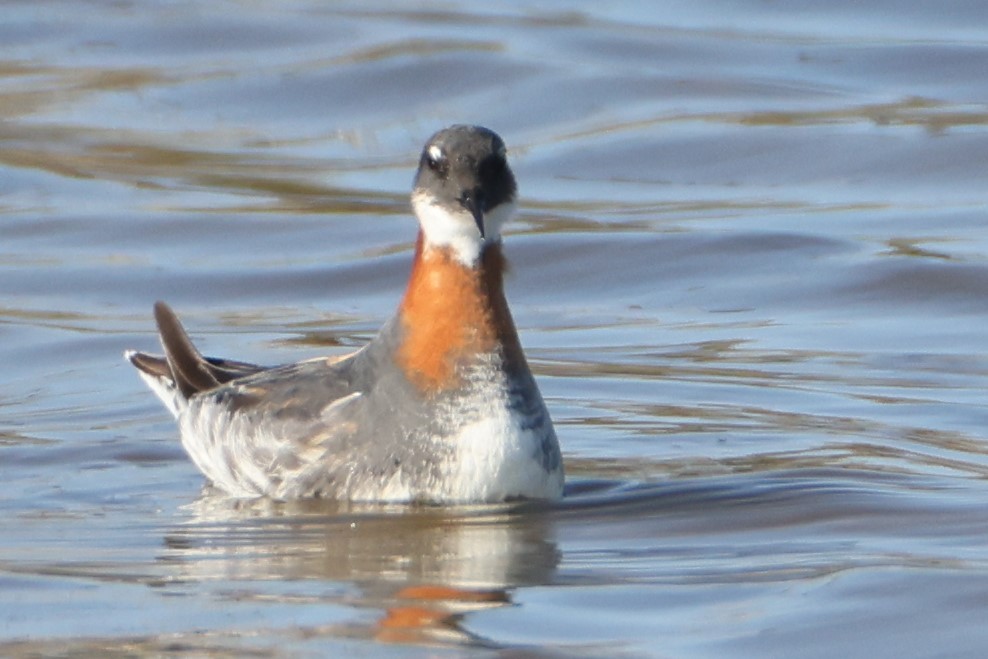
(474, 202)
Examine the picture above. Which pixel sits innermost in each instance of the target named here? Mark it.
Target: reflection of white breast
(475, 547)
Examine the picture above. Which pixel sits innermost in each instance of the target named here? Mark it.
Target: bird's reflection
(424, 568)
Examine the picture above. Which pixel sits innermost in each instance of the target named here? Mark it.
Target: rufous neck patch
(452, 312)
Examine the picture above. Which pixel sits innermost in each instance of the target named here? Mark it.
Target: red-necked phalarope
(440, 406)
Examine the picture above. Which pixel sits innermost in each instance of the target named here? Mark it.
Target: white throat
(443, 227)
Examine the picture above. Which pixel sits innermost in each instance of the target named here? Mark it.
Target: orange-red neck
(451, 313)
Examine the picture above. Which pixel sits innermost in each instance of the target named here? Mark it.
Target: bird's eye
(435, 158)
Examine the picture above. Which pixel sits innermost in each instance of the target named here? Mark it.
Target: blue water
(750, 273)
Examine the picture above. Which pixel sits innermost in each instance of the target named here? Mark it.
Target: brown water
(751, 273)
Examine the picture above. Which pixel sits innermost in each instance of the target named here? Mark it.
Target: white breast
(497, 452)
(497, 458)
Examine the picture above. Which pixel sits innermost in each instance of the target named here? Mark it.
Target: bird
(439, 407)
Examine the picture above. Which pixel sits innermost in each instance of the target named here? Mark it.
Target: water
(750, 274)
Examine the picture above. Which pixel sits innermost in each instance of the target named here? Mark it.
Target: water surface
(750, 273)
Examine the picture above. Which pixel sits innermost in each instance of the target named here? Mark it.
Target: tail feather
(158, 377)
(154, 366)
(189, 368)
(183, 371)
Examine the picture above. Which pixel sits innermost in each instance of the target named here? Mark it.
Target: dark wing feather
(190, 370)
(182, 363)
(225, 370)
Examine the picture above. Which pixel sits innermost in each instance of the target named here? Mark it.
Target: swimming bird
(440, 406)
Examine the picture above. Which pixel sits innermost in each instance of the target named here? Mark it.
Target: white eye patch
(435, 153)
